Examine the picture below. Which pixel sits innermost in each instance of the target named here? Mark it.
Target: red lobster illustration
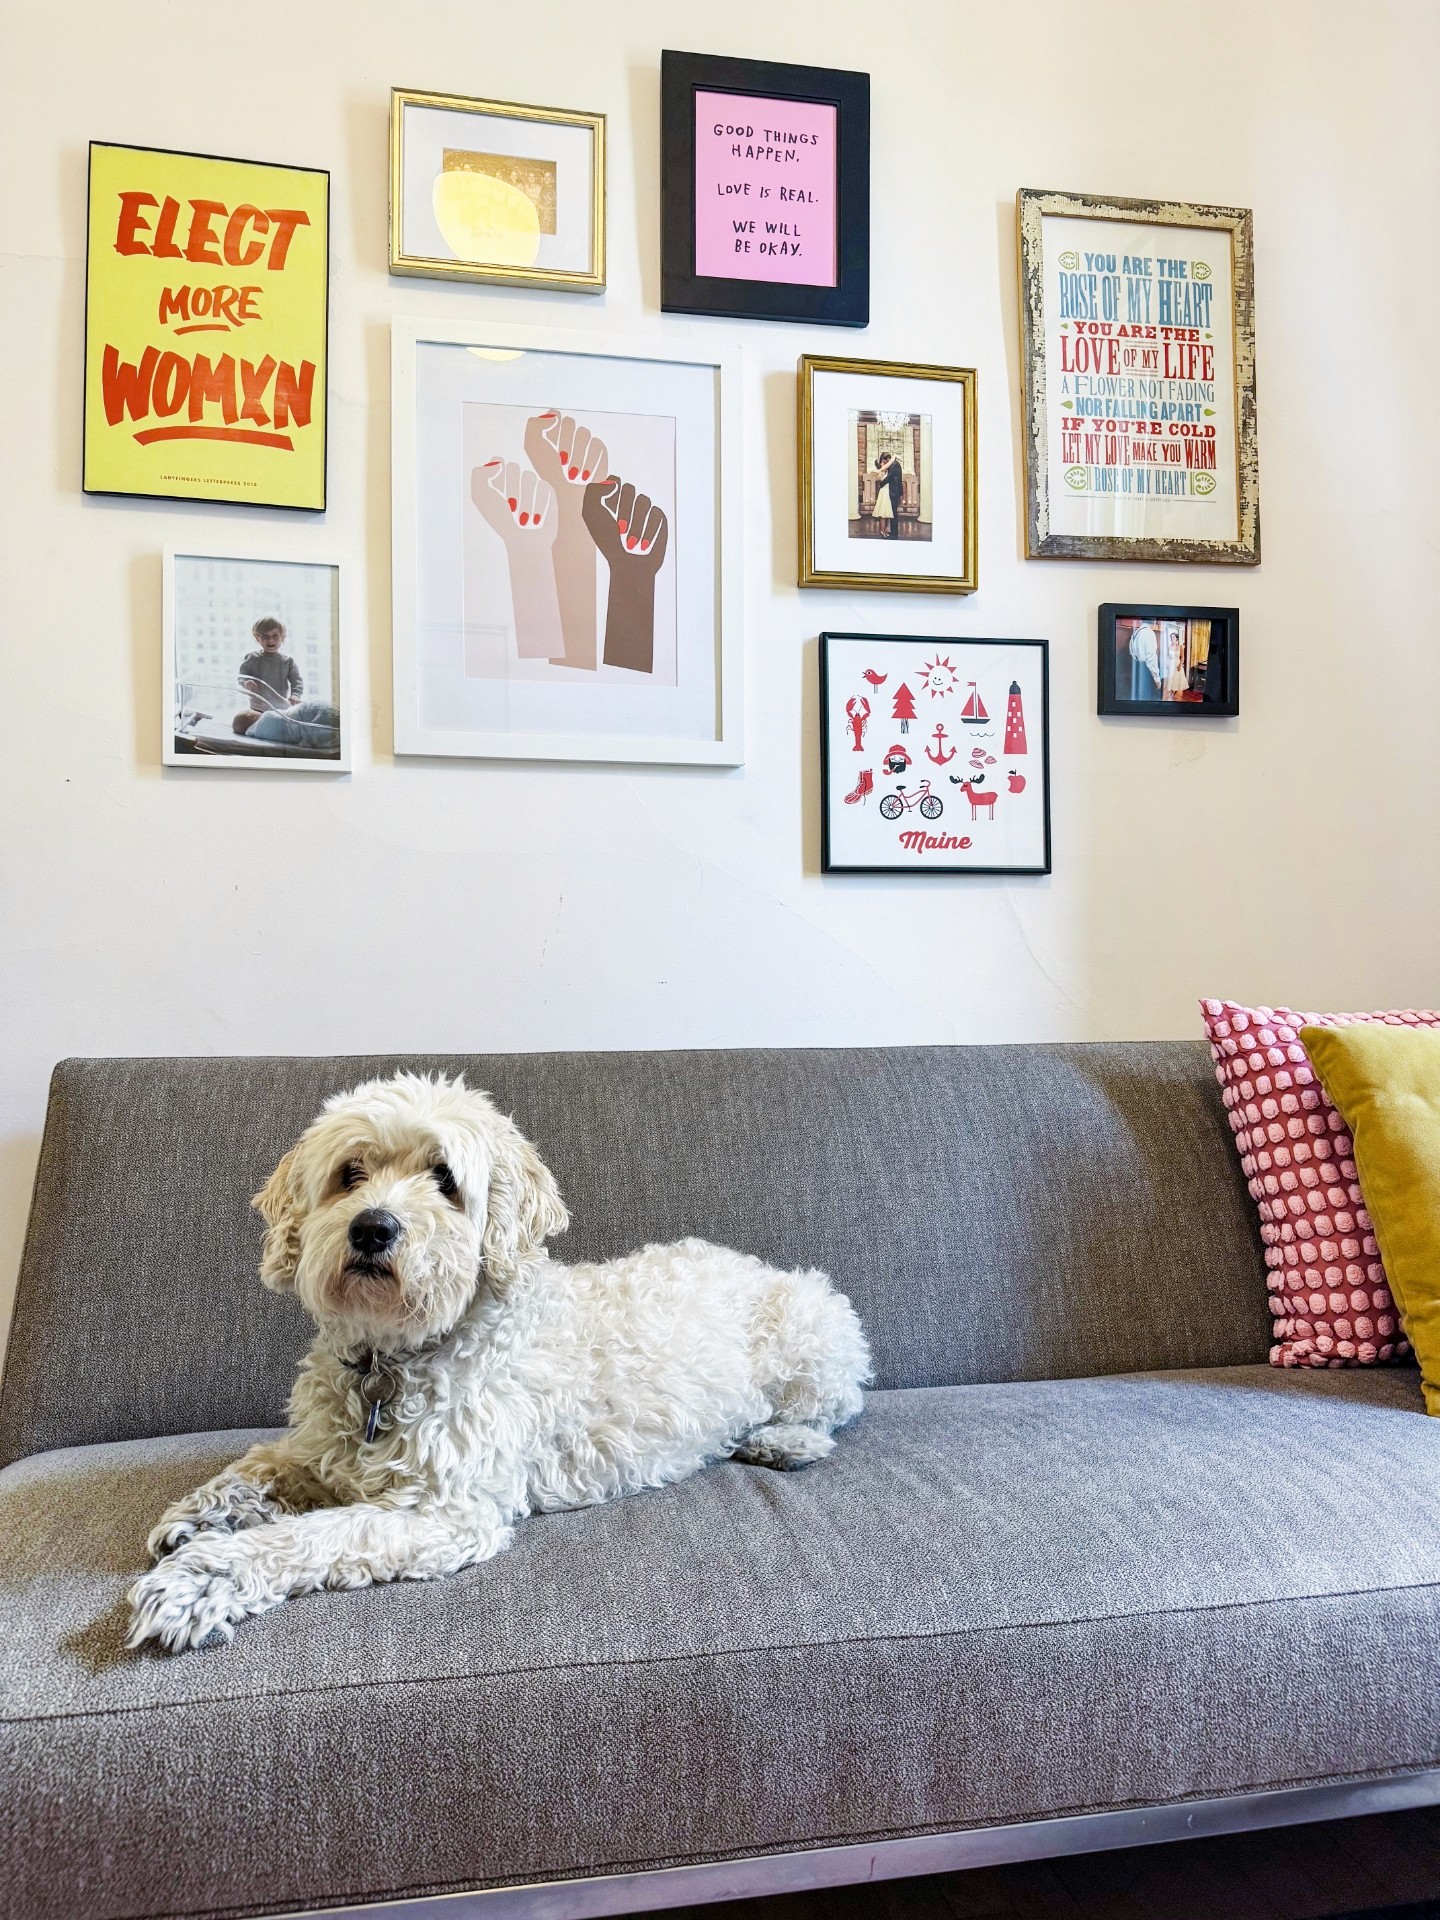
(857, 712)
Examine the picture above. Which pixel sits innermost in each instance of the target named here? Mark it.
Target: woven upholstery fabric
(994, 1212)
(994, 1603)
(1329, 1294)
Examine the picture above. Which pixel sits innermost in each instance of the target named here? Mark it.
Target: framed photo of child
(252, 674)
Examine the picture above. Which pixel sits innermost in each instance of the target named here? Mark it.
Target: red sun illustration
(940, 676)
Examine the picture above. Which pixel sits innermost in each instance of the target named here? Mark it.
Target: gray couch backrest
(995, 1213)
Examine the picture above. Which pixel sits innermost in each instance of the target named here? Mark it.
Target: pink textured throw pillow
(1328, 1292)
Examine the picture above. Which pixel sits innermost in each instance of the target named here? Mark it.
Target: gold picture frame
(516, 181)
(901, 520)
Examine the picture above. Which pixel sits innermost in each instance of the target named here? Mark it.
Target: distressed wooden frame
(1031, 206)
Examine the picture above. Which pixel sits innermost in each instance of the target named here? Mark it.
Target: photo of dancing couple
(890, 495)
(888, 464)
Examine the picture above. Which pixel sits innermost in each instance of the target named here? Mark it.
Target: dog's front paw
(195, 1597)
(229, 1509)
(174, 1530)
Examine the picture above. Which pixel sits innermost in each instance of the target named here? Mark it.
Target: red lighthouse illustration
(1014, 722)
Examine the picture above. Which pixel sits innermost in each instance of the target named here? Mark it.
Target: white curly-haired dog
(461, 1378)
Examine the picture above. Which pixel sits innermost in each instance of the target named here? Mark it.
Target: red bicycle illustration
(894, 804)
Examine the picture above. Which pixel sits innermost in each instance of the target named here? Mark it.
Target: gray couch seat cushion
(995, 1603)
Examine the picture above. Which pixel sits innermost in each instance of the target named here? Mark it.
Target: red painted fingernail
(586, 474)
(547, 416)
(492, 463)
(574, 473)
(564, 453)
(513, 502)
(524, 519)
(631, 541)
(622, 524)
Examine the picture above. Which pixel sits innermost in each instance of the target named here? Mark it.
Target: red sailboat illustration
(973, 712)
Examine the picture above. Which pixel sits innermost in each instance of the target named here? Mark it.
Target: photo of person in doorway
(1163, 661)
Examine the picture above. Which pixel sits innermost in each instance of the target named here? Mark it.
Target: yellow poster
(205, 319)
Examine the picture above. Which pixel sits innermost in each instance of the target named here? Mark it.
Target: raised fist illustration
(633, 533)
(569, 458)
(566, 454)
(521, 508)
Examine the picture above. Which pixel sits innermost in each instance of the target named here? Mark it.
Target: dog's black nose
(374, 1232)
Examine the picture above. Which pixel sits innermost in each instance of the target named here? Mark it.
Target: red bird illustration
(875, 679)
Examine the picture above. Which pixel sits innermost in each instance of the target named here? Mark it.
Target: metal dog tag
(373, 1394)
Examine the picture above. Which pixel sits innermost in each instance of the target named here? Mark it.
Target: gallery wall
(1288, 855)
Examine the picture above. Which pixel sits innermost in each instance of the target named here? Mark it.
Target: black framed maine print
(765, 190)
(934, 755)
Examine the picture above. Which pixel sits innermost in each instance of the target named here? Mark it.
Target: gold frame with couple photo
(811, 574)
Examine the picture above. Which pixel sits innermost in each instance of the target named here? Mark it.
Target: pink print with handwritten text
(764, 189)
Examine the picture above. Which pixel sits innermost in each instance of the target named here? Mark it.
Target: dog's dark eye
(351, 1174)
(445, 1180)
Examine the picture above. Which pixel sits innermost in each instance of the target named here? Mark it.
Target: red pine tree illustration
(904, 709)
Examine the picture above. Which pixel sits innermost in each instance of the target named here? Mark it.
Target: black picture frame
(950, 642)
(1221, 696)
(847, 303)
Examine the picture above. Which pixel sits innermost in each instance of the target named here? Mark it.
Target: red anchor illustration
(939, 753)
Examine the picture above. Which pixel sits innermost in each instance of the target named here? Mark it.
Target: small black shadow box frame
(1178, 662)
(764, 190)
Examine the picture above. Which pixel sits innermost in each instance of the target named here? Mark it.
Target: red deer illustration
(978, 800)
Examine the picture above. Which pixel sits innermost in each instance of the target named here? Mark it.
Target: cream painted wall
(491, 906)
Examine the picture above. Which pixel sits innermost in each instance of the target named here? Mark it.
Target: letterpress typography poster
(934, 755)
(205, 328)
(1139, 376)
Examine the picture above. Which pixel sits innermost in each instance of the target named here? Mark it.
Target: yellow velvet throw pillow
(1386, 1083)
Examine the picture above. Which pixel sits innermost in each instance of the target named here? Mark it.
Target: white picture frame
(213, 599)
(470, 680)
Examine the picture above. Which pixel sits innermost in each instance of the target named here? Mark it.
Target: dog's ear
(277, 1203)
(523, 1208)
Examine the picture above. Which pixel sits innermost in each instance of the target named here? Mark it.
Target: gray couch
(1087, 1571)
